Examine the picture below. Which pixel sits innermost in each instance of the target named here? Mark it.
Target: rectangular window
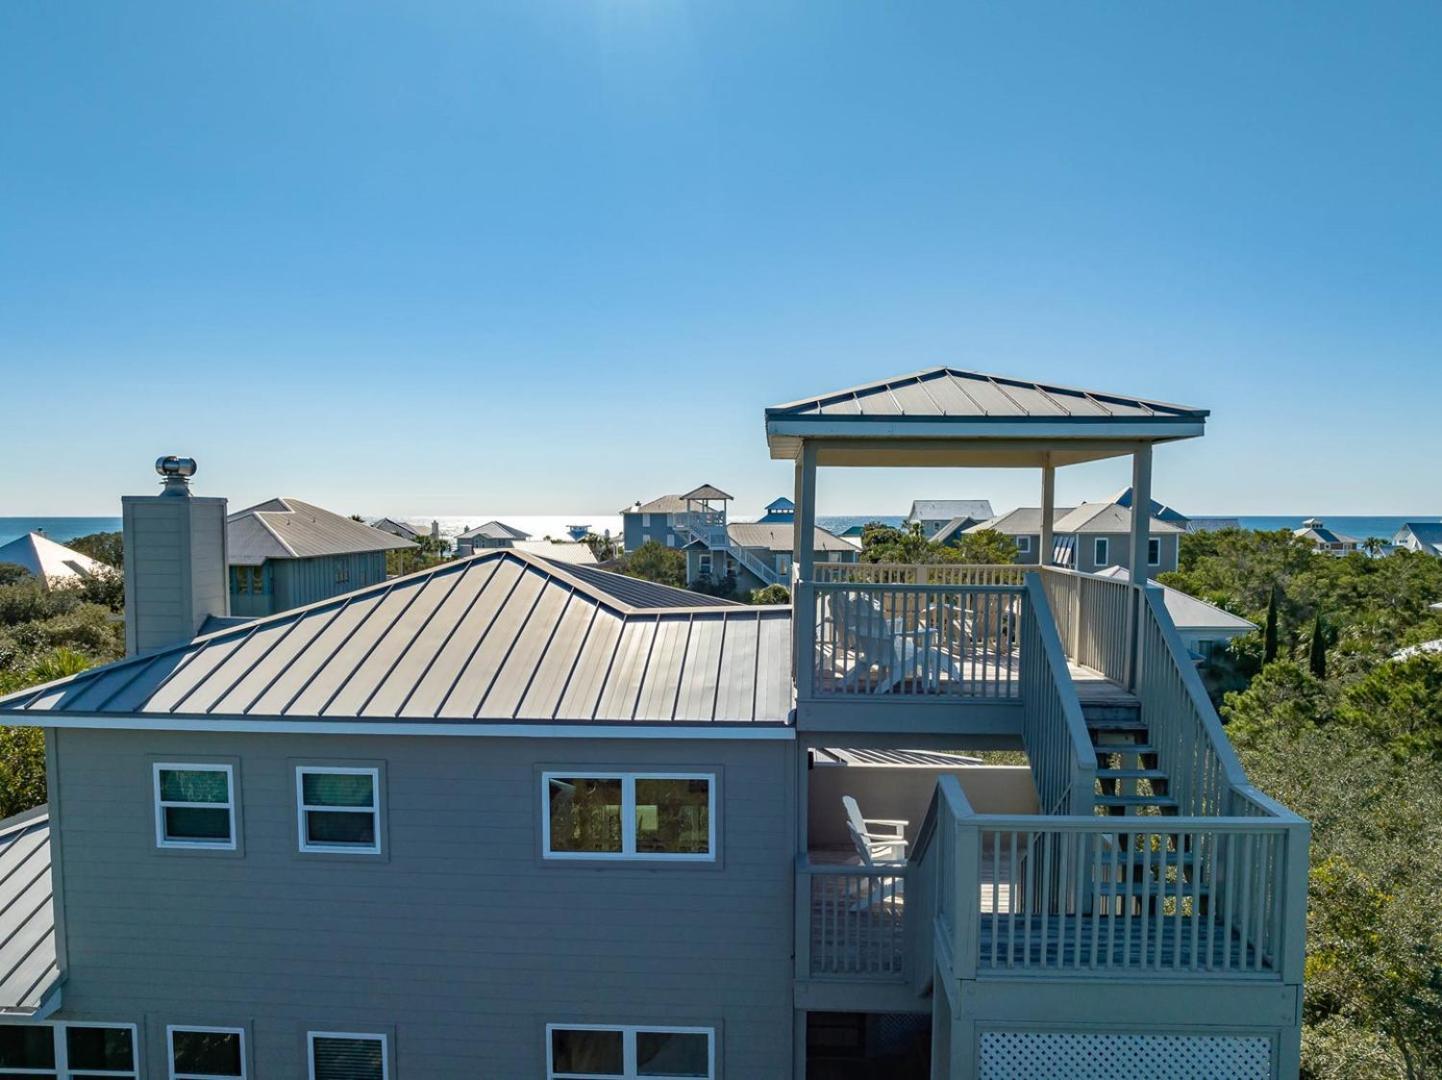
(1154, 552)
(703, 561)
(65, 1051)
(205, 1053)
(257, 580)
(1099, 551)
(599, 1052)
(1023, 545)
(343, 1055)
(194, 806)
(342, 572)
(668, 816)
(339, 809)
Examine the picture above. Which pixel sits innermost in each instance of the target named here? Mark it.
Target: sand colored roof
(48, 560)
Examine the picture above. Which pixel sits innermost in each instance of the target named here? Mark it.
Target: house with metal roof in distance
(1326, 541)
(934, 515)
(50, 563)
(491, 535)
(1203, 627)
(285, 553)
(1423, 536)
(660, 520)
(1161, 511)
(507, 817)
(1089, 537)
(397, 528)
(780, 511)
(758, 553)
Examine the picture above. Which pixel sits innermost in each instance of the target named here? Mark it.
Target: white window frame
(703, 562)
(62, 1070)
(301, 808)
(1101, 551)
(1154, 543)
(374, 1036)
(170, 1031)
(164, 841)
(628, 852)
(628, 1049)
(1023, 545)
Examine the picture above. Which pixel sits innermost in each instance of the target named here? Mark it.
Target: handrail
(1058, 745)
(891, 573)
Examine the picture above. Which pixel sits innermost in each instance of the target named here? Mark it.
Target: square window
(1023, 545)
(673, 1053)
(108, 1051)
(194, 806)
(629, 816)
(206, 1053)
(27, 1046)
(587, 1052)
(339, 809)
(338, 1055)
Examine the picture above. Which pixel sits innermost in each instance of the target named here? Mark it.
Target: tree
(1317, 650)
(603, 548)
(655, 562)
(1269, 633)
(772, 594)
(883, 543)
(106, 547)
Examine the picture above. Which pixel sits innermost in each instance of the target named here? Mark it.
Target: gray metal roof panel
(638, 592)
(286, 528)
(500, 636)
(29, 967)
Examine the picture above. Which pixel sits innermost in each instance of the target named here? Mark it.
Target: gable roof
(665, 504)
(1106, 518)
(46, 559)
(948, 532)
(1187, 611)
(396, 528)
(1316, 531)
(783, 503)
(494, 530)
(1427, 533)
(284, 528)
(705, 492)
(949, 509)
(502, 637)
(780, 536)
(29, 968)
(1023, 521)
(1160, 510)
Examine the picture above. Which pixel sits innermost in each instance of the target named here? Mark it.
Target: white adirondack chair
(875, 640)
(877, 848)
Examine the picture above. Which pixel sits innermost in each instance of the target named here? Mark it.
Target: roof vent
(177, 472)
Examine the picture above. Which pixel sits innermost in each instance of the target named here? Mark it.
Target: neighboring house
(510, 818)
(284, 553)
(1423, 536)
(493, 534)
(1089, 537)
(49, 562)
(654, 521)
(949, 535)
(1325, 540)
(1160, 511)
(778, 511)
(396, 528)
(933, 515)
(760, 554)
(1202, 626)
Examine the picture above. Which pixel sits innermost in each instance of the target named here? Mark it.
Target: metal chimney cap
(177, 472)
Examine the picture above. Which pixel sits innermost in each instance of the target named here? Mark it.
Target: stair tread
(1135, 800)
(1124, 748)
(1103, 723)
(1131, 774)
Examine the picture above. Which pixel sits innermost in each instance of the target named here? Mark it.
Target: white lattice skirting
(1014, 1055)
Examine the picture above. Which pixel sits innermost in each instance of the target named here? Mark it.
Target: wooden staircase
(1129, 777)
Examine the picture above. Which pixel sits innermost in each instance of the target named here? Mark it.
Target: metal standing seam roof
(1187, 611)
(780, 536)
(502, 636)
(951, 393)
(29, 968)
(950, 509)
(285, 528)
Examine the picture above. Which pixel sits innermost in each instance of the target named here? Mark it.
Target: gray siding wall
(636, 532)
(459, 942)
(1119, 552)
(175, 567)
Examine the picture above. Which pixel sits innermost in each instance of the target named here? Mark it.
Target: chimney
(176, 570)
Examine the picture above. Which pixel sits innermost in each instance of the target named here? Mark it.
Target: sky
(554, 256)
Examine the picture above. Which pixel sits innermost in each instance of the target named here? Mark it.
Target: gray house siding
(293, 583)
(1119, 552)
(638, 528)
(459, 941)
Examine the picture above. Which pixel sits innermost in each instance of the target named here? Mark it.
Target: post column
(803, 561)
(1141, 511)
(1046, 556)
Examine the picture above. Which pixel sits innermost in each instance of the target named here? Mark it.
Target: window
(1154, 551)
(1099, 551)
(670, 540)
(629, 816)
(247, 579)
(339, 809)
(646, 520)
(194, 807)
(704, 562)
(1023, 545)
(342, 572)
(65, 1051)
(342, 1055)
(205, 1053)
(597, 1052)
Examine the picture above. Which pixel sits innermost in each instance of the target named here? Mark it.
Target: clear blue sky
(555, 255)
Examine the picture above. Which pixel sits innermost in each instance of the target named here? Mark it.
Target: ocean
(61, 529)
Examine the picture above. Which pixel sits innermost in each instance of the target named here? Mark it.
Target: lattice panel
(1013, 1055)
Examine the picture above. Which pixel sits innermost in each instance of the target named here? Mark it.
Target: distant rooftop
(47, 560)
(948, 509)
(705, 493)
(1187, 611)
(494, 530)
(285, 528)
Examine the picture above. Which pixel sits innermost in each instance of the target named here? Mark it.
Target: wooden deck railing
(906, 639)
(1095, 617)
(850, 921)
(920, 574)
(1058, 747)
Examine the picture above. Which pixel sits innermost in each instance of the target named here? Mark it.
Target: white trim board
(147, 722)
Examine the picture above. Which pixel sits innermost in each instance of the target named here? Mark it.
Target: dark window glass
(597, 1053)
(673, 816)
(207, 1053)
(194, 785)
(347, 1059)
(106, 1049)
(24, 1046)
(325, 827)
(585, 814)
(190, 823)
(338, 789)
(672, 1053)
